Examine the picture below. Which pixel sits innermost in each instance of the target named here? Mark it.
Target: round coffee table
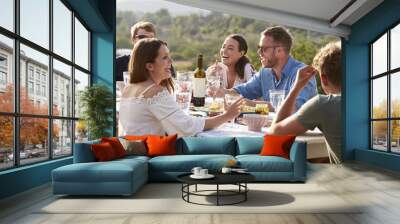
(238, 179)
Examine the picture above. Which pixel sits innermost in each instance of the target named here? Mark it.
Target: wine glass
(276, 97)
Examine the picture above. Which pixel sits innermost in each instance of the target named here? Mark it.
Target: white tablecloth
(238, 130)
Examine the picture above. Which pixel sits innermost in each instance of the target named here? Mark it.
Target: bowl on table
(255, 122)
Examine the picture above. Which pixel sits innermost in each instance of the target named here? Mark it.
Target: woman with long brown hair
(147, 104)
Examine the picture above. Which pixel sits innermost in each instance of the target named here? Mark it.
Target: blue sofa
(125, 176)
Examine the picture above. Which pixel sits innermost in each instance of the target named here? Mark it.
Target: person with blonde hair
(147, 103)
(322, 111)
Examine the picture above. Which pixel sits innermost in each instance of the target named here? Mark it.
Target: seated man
(278, 72)
(322, 111)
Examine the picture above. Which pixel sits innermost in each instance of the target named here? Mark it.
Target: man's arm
(285, 122)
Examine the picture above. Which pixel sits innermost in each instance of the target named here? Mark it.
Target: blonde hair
(328, 61)
(281, 35)
(148, 26)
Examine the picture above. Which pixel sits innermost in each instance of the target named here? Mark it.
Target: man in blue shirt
(278, 72)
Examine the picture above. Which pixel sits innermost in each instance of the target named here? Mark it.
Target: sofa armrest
(298, 155)
(83, 152)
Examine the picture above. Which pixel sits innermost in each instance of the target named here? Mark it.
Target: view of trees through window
(385, 79)
(32, 130)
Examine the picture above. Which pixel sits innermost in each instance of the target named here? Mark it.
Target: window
(43, 90)
(41, 84)
(38, 89)
(3, 71)
(385, 96)
(30, 87)
(3, 78)
(30, 73)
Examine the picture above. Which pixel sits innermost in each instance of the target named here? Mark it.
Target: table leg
(217, 194)
(245, 193)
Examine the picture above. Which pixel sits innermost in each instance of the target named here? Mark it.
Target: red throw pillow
(161, 145)
(103, 152)
(116, 145)
(277, 145)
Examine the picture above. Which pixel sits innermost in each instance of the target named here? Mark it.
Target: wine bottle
(199, 83)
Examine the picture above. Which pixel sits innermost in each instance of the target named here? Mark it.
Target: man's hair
(280, 35)
(148, 26)
(328, 61)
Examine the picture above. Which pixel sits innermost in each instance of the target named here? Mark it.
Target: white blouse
(158, 115)
(248, 73)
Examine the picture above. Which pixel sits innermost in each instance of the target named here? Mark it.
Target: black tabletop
(220, 178)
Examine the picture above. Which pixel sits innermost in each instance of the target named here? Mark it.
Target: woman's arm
(232, 112)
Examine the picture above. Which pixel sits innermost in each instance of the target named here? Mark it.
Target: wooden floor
(378, 189)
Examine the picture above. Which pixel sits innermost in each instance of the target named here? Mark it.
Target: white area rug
(166, 198)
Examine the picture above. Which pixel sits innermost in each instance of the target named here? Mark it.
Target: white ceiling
(317, 15)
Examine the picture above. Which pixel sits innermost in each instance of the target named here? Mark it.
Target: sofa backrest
(249, 145)
(206, 145)
(83, 152)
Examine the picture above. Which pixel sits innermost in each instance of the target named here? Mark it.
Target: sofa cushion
(134, 147)
(112, 171)
(103, 152)
(161, 145)
(116, 145)
(185, 163)
(249, 145)
(257, 163)
(277, 145)
(206, 145)
(83, 153)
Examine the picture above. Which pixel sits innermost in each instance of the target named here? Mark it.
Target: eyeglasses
(263, 49)
(141, 36)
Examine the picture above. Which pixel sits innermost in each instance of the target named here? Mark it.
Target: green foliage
(189, 35)
(96, 102)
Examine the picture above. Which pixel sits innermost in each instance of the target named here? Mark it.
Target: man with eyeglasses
(139, 31)
(278, 72)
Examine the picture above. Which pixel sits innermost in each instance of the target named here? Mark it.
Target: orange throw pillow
(161, 145)
(277, 145)
(103, 152)
(116, 145)
(136, 137)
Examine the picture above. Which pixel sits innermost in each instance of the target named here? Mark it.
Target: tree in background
(33, 131)
(380, 127)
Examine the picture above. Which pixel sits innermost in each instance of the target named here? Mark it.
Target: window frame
(388, 74)
(18, 40)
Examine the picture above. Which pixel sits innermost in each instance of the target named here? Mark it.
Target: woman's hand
(235, 108)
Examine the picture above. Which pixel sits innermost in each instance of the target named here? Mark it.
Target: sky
(155, 5)
(35, 27)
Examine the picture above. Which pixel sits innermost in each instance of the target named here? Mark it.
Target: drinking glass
(276, 98)
(183, 99)
(184, 95)
(214, 76)
(127, 77)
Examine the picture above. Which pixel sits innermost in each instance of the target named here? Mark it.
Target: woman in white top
(235, 67)
(147, 104)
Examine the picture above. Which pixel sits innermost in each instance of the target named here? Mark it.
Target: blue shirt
(260, 84)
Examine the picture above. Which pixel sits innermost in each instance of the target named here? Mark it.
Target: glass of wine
(276, 97)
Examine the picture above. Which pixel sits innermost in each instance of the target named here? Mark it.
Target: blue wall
(356, 84)
(99, 16)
